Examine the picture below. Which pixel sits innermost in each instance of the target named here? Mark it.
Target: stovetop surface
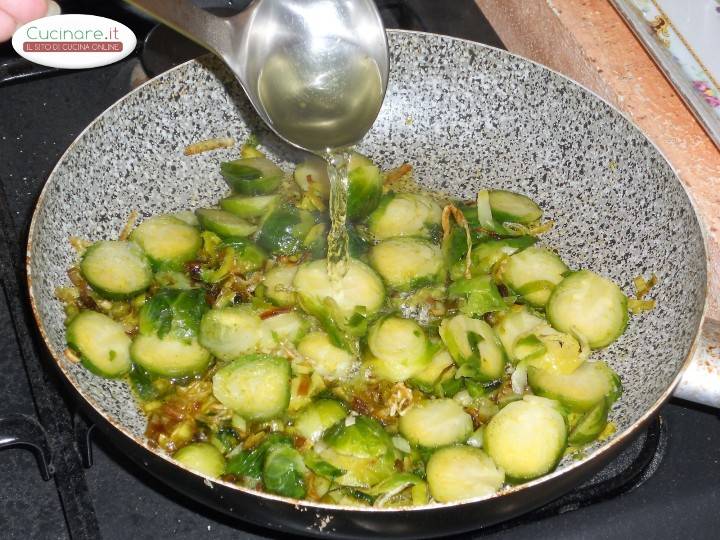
(38, 120)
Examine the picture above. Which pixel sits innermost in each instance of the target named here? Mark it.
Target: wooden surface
(587, 40)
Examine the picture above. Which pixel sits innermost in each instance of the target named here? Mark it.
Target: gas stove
(61, 479)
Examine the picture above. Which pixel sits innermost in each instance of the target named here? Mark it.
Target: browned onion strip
(129, 225)
(209, 144)
(397, 173)
(642, 287)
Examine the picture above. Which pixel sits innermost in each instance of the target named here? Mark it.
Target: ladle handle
(206, 29)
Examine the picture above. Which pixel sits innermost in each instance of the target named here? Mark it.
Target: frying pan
(465, 116)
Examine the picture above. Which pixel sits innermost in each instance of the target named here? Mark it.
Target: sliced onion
(483, 208)
(401, 444)
(519, 378)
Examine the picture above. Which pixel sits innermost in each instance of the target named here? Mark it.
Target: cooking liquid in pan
(327, 117)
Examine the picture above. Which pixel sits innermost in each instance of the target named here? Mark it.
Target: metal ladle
(315, 70)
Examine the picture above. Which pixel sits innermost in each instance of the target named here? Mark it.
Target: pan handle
(700, 382)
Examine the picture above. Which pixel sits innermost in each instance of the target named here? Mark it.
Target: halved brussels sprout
(176, 312)
(440, 363)
(474, 345)
(479, 295)
(399, 349)
(231, 331)
(361, 448)
(365, 185)
(580, 390)
(116, 269)
(284, 471)
(406, 214)
(320, 415)
(224, 223)
(283, 327)
(312, 176)
(167, 240)
(169, 356)
(255, 386)
(172, 279)
(315, 243)
(102, 344)
(488, 253)
(328, 360)
(514, 207)
(408, 263)
(545, 348)
(285, 229)
(526, 438)
(252, 176)
(590, 305)
(533, 273)
(279, 284)
(249, 206)
(203, 458)
(437, 422)
(360, 287)
(247, 256)
(514, 323)
(590, 425)
(462, 472)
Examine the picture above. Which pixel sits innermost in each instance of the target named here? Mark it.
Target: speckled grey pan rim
(465, 115)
